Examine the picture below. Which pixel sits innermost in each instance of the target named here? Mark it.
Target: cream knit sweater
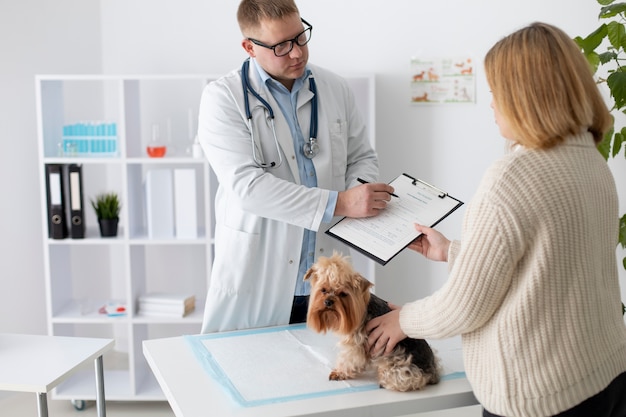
(533, 287)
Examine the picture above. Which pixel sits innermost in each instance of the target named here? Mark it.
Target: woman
(533, 286)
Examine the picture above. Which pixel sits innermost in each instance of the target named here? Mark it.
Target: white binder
(159, 203)
(185, 204)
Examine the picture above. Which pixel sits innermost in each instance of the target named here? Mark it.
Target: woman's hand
(384, 333)
(432, 244)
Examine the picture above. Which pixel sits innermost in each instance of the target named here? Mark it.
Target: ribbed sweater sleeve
(533, 286)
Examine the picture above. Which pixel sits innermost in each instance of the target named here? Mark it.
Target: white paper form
(385, 235)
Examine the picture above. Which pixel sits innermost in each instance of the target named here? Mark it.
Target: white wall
(447, 145)
(36, 36)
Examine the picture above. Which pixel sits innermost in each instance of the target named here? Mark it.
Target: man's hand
(365, 200)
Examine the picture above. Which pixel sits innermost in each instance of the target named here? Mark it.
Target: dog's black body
(421, 353)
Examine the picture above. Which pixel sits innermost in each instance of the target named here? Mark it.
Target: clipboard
(382, 237)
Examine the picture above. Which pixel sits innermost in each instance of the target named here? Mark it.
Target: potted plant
(605, 50)
(107, 207)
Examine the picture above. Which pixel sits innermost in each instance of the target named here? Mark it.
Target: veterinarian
(533, 284)
(287, 143)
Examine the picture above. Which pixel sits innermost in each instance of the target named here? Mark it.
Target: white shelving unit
(81, 275)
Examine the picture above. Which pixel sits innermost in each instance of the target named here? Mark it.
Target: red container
(156, 151)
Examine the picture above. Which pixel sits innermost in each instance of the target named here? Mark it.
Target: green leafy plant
(107, 206)
(605, 50)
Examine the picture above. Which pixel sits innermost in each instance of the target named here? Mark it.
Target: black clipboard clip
(440, 193)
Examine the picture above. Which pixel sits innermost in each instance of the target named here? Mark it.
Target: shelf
(149, 391)
(167, 160)
(92, 237)
(83, 160)
(82, 387)
(143, 239)
(86, 311)
(85, 274)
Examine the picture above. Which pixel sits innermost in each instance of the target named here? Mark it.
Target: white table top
(35, 363)
(192, 392)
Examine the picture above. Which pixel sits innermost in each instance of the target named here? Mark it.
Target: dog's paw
(337, 376)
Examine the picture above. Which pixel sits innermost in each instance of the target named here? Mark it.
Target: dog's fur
(341, 302)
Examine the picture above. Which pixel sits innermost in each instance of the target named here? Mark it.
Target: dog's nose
(328, 302)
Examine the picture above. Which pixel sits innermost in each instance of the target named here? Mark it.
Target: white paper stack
(166, 305)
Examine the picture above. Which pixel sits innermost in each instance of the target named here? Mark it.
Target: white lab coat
(261, 213)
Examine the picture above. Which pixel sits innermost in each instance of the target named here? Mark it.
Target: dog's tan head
(339, 296)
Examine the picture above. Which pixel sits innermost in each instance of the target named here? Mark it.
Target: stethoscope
(309, 149)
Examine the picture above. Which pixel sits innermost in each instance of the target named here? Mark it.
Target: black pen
(362, 181)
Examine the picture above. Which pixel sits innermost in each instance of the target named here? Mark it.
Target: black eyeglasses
(283, 48)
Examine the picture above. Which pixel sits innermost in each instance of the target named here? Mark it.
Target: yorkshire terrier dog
(341, 302)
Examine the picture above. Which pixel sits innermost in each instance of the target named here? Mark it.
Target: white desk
(33, 363)
(191, 392)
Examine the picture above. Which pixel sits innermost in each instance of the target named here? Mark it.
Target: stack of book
(166, 305)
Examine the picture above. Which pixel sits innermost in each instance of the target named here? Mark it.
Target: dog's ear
(310, 276)
(364, 284)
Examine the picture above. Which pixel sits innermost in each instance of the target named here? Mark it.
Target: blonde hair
(544, 87)
(251, 12)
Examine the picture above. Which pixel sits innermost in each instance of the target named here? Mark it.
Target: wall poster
(443, 80)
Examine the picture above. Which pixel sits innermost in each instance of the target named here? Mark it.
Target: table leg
(100, 402)
(42, 404)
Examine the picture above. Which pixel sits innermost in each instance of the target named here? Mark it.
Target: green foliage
(605, 48)
(107, 206)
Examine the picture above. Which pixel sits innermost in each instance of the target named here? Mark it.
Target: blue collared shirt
(287, 101)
